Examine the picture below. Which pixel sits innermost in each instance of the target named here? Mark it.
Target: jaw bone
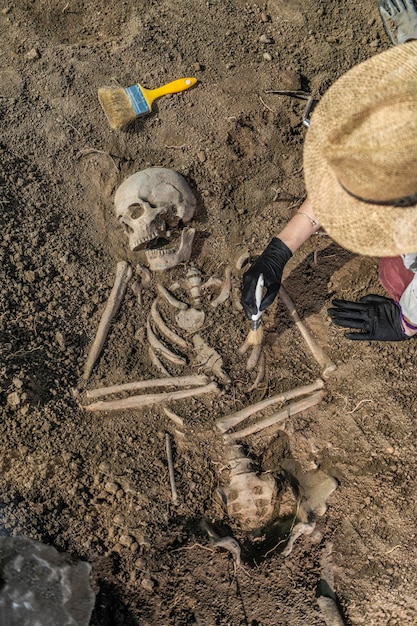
(161, 260)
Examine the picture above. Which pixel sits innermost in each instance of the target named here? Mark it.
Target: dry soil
(96, 484)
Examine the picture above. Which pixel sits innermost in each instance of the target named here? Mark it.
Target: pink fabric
(394, 276)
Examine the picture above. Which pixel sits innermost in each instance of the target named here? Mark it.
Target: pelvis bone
(249, 497)
(152, 205)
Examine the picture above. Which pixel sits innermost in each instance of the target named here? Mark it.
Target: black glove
(377, 317)
(271, 264)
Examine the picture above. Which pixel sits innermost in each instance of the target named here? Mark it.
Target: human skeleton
(156, 203)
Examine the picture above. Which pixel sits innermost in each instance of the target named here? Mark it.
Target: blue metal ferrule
(139, 103)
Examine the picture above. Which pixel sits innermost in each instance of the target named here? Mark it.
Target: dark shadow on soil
(309, 276)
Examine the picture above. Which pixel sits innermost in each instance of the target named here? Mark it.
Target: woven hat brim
(365, 228)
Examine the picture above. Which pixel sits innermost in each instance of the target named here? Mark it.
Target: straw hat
(360, 155)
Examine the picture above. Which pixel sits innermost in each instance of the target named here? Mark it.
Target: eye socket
(128, 229)
(136, 211)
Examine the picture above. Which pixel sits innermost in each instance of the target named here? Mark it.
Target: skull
(152, 203)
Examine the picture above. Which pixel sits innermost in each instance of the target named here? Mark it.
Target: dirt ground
(96, 484)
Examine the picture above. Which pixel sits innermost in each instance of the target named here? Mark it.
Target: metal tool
(301, 95)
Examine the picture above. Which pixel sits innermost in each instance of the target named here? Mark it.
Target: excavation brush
(255, 335)
(122, 106)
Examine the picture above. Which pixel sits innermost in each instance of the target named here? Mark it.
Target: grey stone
(41, 586)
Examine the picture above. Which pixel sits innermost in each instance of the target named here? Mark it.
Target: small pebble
(13, 399)
(104, 466)
(111, 487)
(266, 39)
(265, 17)
(119, 520)
(33, 54)
(147, 584)
(126, 540)
(267, 56)
(142, 540)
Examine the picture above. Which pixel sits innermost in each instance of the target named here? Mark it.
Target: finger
(269, 297)
(350, 323)
(398, 5)
(372, 298)
(247, 300)
(384, 9)
(248, 312)
(248, 308)
(410, 5)
(348, 305)
(348, 315)
(344, 315)
(358, 336)
(248, 294)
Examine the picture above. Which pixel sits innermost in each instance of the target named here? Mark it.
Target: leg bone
(228, 422)
(277, 418)
(321, 357)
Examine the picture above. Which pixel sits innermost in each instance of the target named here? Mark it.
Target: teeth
(154, 253)
(160, 260)
(140, 241)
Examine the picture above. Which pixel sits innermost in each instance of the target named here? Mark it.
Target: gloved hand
(400, 15)
(271, 264)
(377, 317)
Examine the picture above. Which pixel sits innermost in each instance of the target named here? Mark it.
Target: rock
(111, 487)
(266, 39)
(42, 586)
(147, 584)
(104, 467)
(126, 540)
(289, 79)
(33, 54)
(13, 399)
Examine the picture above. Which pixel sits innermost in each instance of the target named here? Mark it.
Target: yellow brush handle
(181, 84)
